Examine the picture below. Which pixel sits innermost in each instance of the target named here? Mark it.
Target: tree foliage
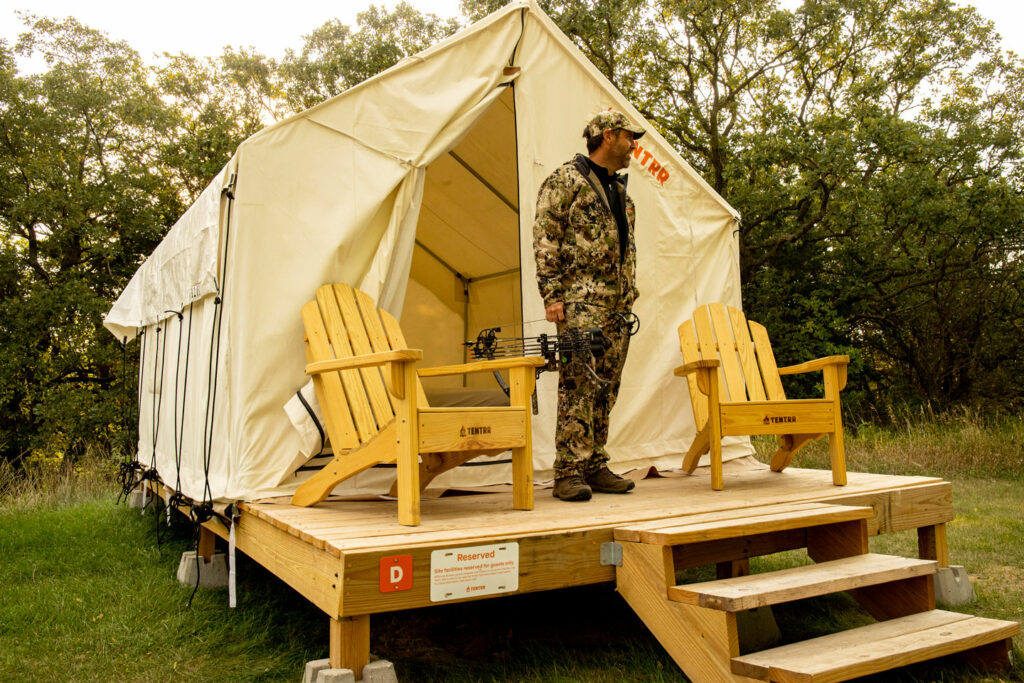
(873, 149)
(872, 146)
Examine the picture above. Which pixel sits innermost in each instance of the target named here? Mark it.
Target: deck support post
(931, 544)
(207, 543)
(350, 643)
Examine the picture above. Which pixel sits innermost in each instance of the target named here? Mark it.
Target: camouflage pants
(584, 403)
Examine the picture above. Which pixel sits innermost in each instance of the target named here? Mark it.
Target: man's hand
(555, 313)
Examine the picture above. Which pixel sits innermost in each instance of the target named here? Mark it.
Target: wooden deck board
(354, 525)
(559, 543)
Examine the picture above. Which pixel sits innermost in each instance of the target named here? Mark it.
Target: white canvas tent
(417, 186)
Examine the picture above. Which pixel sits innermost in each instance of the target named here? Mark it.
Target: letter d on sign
(395, 573)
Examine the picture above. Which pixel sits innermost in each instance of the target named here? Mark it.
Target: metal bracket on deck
(611, 554)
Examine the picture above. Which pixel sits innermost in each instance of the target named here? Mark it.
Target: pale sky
(204, 27)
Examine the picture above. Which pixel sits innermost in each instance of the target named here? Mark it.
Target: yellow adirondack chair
(736, 389)
(375, 410)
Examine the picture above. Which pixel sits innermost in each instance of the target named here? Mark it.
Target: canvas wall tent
(418, 186)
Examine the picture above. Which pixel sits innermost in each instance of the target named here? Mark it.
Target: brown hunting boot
(571, 488)
(606, 481)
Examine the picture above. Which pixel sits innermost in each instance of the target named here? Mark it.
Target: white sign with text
(459, 573)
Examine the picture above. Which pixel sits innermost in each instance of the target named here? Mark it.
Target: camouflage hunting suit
(576, 245)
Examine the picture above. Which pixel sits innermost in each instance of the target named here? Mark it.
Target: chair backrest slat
(359, 337)
(748, 358)
(727, 352)
(328, 386)
(376, 334)
(358, 402)
(766, 360)
(691, 352)
(397, 341)
(706, 340)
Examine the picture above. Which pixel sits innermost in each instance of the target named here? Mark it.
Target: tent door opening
(465, 273)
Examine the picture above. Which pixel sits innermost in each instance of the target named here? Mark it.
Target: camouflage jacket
(576, 240)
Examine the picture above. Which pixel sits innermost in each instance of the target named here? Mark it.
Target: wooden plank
(932, 545)
(364, 361)
(748, 357)
(350, 644)
(329, 391)
(805, 416)
(905, 508)
(747, 512)
(837, 450)
(359, 337)
(928, 498)
(207, 543)
(798, 583)
(483, 366)
(898, 598)
(547, 562)
(727, 351)
(358, 403)
(766, 361)
(691, 354)
(522, 382)
(706, 339)
(874, 648)
(737, 549)
(701, 641)
(375, 332)
(471, 430)
(312, 572)
(406, 450)
(835, 541)
(478, 517)
(397, 340)
(709, 531)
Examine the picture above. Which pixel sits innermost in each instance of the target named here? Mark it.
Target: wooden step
(877, 647)
(786, 585)
(740, 522)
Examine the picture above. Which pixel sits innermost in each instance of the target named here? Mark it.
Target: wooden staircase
(697, 623)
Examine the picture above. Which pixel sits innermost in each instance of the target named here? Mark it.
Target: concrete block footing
(953, 587)
(380, 671)
(212, 574)
(135, 499)
(314, 668)
(377, 671)
(336, 676)
(757, 629)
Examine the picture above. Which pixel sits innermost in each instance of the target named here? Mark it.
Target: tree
(871, 147)
(334, 57)
(82, 195)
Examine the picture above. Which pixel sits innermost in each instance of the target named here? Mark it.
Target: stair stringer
(702, 641)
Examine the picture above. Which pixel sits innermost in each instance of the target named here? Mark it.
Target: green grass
(89, 589)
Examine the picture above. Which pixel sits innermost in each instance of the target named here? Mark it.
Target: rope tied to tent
(177, 498)
(130, 464)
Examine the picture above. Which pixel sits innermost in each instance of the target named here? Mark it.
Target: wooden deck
(331, 553)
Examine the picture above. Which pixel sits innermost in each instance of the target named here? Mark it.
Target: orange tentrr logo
(652, 165)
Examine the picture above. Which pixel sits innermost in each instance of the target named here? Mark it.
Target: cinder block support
(336, 676)
(953, 587)
(135, 500)
(313, 669)
(212, 574)
(380, 671)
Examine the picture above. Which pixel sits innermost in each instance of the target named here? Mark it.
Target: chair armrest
(690, 368)
(816, 364)
(364, 361)
(484, 366)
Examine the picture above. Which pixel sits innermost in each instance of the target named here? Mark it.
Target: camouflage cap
(609, 119)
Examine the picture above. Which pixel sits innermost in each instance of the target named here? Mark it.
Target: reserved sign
(459, 573)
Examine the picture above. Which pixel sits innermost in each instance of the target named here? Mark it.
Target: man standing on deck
(586, 269)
